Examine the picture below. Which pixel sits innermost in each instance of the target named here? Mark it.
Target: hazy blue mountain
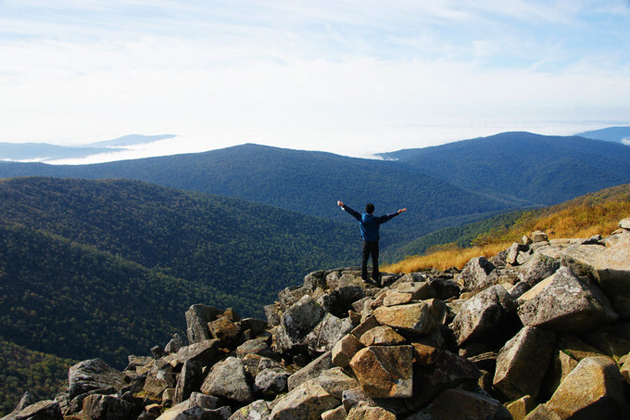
(533, 168)
(44, 152)
(616, 134)
(307, 182)
(131, 139)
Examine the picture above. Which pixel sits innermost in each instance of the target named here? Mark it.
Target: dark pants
(369, 249)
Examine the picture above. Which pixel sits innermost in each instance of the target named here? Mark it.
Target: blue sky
(350, 77)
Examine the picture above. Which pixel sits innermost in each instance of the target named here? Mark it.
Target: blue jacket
(369, 224)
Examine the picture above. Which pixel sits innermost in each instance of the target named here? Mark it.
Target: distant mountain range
(525, 167)
(44, 152)
(132, 139)
(441, 186)
(307, 182)
(615, 134)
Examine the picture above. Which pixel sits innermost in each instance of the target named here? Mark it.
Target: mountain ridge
(523, 166)
(443, 186)
(614, 134)
(307, 182)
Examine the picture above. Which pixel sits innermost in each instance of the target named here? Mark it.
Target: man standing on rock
(370, 227)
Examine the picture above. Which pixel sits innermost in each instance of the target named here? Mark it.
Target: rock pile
(542, 331)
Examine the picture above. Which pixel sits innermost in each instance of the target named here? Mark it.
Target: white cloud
(349, 76)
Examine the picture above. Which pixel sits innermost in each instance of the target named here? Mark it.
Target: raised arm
(352, 212)
(385, 218)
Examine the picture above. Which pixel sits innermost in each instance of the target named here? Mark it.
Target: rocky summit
(541, 331)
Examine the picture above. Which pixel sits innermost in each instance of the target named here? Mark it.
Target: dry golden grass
(581, 218)
(443, 259)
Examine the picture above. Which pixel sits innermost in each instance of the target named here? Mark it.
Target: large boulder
(363, 412)
(258, 410)
(43, 410)
(609, 266)
(302, 317)
(385, 371)
(253, 326)
(189, 380)
(159, 378)
(306, 402)
(419, 317)
(227, 379)
(382, 335)
(485, 313)
(106, 407)
(419, 290)
(176, 343)
(335, 381)
(613, 340)
(475, 275)
(184, 411)
(593, 390)
(394, 297)
(523, 361)
(291, 295)
(350, 288)
(270, 382)
(257, 346)
(272, 313)
(538, 268)
(327, 333)
(459, 404)
(345, 349)
(205, 352)
(564, 303)
(197, 318)
(93, 374)
(311, 371)
(438, 370)
(516, 254)
(225, 330)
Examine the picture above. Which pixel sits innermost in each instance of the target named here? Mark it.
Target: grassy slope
(583, 217)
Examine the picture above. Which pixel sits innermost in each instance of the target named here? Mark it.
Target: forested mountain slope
(22, 370)
(442, 186)
(308, 182)
(536, 169)
(107, 268)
